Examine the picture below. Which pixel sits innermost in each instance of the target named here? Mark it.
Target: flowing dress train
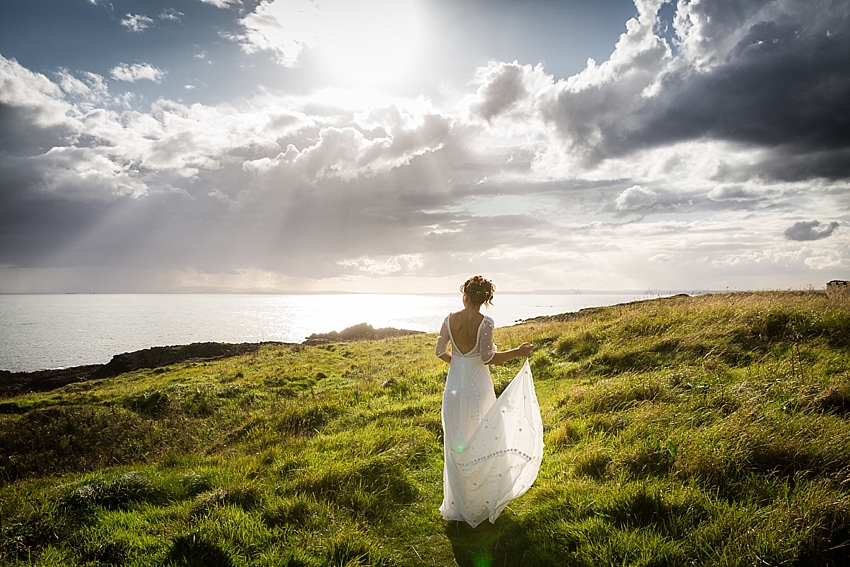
(493, 447)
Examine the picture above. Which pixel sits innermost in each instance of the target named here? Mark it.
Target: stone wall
(838, 289)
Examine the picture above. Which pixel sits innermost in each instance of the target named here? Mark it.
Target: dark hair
(479, 290)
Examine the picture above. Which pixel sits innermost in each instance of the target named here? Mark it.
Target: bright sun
(368, 42)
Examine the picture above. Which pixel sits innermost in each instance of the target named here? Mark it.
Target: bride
(493, 447)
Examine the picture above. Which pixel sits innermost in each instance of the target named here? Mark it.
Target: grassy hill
(707, 430)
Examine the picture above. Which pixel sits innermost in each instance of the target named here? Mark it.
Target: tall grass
(710, 430)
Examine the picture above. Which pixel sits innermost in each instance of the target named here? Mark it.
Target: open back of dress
(493, 447)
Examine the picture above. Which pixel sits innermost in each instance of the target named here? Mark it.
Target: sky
(405, 145)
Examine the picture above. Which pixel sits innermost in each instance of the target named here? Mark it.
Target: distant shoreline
(641, 292)
(54, 331)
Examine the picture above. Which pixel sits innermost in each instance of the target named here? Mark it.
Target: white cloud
(89, 91)
(635, 198)
(223, 3)
(734, 193)
(284, 28)
(773, 256)
(122, 153)
(836, 259)
(70, 84)
(41, 97)
(87, 174)
(384, 266)
(348, 152)
(136, 22)
(170, 14)
(137, 72)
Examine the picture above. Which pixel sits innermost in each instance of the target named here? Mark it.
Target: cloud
(708, 31)
(170, 14)
(81, 151)
(284, 28)
(834, 259)
(803, 231)
(522, 175)
(33, 111)
(105, 154)
(764, 75)
(384, 266)
(23, 88)
(348, 152)
(88, 91)
(757, 257)
(137, 72)
(504, 85)
(635, 198)
(136, 22)
(223, 3)
(734, 193)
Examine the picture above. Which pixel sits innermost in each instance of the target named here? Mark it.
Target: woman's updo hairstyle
(479, 290)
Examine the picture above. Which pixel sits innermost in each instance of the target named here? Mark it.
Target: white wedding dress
(493, 447)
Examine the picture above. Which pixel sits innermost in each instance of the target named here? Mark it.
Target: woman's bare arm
(505, 355)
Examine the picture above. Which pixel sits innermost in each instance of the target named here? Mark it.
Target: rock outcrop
(16, 383)
(357, 333)
(838, 289)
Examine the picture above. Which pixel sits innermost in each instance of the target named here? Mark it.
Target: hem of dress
(458, 518)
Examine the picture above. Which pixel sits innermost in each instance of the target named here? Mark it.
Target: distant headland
(17, 383)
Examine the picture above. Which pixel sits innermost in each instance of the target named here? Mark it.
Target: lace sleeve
(443, 339)
(488, 347)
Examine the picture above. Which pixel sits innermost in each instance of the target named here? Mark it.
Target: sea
(40, 332)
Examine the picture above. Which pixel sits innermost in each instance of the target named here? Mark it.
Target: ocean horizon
(48, 331)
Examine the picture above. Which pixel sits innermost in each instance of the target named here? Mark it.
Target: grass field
(710, 431)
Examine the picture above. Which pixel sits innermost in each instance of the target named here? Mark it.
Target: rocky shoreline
(17, 383)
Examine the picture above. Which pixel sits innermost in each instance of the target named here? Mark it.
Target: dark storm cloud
(769, 75)
(792, 162)
(22, 136)
(804, 231)
(785, 86)
(33, 229)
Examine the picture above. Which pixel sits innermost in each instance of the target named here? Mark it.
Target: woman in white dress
(493, 447)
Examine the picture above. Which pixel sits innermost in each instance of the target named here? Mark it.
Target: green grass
(710, 431)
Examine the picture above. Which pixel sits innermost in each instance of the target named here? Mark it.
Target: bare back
(464, 326)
